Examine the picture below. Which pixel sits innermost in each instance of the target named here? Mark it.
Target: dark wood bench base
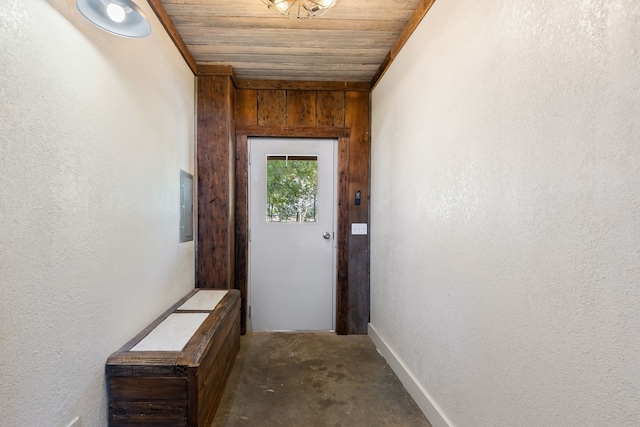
(170, 388)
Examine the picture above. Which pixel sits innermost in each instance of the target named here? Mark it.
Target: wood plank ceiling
(349, 43)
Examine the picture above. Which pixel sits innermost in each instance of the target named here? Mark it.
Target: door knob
(326, 235)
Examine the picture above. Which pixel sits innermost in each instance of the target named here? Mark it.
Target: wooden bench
(169, 375)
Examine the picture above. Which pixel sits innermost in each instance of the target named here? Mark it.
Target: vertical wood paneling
(330, 108)
(215, 152)
(246, 111)
(301, 108)
(357, 119)
(194, 404)
(342, 282)
(231, 169)
(272, 107)
(241, 226)
(283, 111)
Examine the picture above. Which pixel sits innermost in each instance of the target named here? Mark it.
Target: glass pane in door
(292, 189)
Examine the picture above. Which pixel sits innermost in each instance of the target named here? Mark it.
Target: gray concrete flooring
(313, 379)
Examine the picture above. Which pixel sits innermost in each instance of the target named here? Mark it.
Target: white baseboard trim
(422, 398)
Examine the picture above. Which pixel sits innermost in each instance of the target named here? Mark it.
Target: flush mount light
(120, 17)
(300, 9)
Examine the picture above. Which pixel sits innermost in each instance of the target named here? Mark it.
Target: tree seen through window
(292, 188)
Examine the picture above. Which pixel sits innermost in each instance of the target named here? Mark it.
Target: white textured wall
(505, 223)
(93, 131)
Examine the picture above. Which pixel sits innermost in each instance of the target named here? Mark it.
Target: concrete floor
(314, 379)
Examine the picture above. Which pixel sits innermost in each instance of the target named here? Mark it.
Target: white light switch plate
(358, 228)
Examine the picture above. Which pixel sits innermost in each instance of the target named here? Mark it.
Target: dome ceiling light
(120, 17)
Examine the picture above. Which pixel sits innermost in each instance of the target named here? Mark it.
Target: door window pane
(292, 188)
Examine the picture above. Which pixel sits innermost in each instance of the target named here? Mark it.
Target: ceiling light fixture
(120, 17)
(300, 9)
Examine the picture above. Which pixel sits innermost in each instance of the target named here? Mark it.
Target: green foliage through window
(292, 188)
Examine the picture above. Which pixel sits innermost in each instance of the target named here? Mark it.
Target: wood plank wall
(316, 113)
(215, 170)
(357, 118)
(227, 116)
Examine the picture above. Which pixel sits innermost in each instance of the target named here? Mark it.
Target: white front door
(291, 231)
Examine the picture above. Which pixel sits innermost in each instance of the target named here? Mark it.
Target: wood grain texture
(210, 365)
(148, 388)
(208, 373)
(148, 413)
(303, 85)
(295, 132)
(334, 57)
(354, 74)
(218, 323)
(358, 119)
(212, 386)
(216, 70)
(221, 22)
(349, 10)
(208, 355)
(231, 166)
(242, 223)
(353, 42)
(258, 44)
(272, 107)
(301, 108)
(143, 364)
(214, 158)
(246, 112)
(342, 263)
(330, 108)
